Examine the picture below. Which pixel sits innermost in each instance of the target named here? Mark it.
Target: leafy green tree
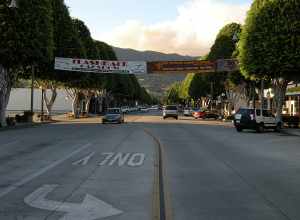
(85, 37)
(225, 45)
(270, 44)
(194, 87)
(26, 39)
(106, 52)
(173, 96)
(199, 87)
(66, 44)
(184, 89)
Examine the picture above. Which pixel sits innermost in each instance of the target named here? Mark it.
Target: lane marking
(84, 161)
(108, 156)
(136, 160)
(27, 179)
(91, 207)
(122, 159)
(161, 199)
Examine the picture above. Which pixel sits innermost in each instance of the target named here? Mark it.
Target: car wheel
(164, 118)
(239, 129)
(278, 127)
(260, 128)
(176, 118)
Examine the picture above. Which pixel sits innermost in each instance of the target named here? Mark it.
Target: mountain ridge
(129, 54)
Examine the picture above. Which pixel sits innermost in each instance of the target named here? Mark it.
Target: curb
(24, 126)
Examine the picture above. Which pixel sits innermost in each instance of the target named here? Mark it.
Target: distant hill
(135, 55)
(155, 84)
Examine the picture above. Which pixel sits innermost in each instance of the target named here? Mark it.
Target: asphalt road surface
(148, 168)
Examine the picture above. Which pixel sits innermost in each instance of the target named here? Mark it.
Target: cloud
(191, 33)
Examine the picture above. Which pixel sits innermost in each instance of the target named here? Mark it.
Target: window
(258, 112)
(171, 107)
(113, 111)
(267, 113)
(245, 111)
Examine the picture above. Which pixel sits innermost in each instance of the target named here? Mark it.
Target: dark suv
(249, 118)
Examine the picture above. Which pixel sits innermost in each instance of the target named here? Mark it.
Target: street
(148, 168)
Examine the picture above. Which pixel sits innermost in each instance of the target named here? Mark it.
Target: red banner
(181, 66)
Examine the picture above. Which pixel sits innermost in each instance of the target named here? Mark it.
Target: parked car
(198, 113)
(113, 115)
(154, 107)
(170, 111)
(144, 109)
(188, 112)
(125, 109)
(291, 121)
(211, 114)
(249, 118)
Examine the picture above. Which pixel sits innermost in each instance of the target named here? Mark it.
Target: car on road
(125, 109)
(113, 115)
(250, 118)
(188, 112)
(144, 109)
(154, 108)
(198, 113)
(205, 114)
(170, 111)
(212, 115)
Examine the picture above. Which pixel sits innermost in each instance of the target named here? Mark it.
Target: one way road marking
(84, 160)
(90, 209)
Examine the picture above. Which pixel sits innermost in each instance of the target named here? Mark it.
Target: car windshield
(171, 107)
(244, 111)
(113, 111)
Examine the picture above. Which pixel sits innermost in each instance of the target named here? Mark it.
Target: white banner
(100, 66)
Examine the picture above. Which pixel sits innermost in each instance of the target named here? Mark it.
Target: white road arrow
(84, 160)
(90, 209)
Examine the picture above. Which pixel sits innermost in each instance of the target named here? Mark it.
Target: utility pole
(42, 105)
(253, 95)
(32, 89)
(262, 96)
(212, 96)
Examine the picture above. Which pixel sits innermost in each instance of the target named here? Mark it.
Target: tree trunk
(50, 102)
(87, 104)
(279, 86)
(75, 105)
(5, 89)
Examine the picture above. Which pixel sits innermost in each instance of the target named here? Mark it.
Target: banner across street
(141, 67)
(100, 66)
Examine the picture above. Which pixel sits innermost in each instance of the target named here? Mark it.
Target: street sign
(100, 66)
(90, 209)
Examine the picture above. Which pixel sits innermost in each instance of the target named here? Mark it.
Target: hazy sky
(188, 27)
